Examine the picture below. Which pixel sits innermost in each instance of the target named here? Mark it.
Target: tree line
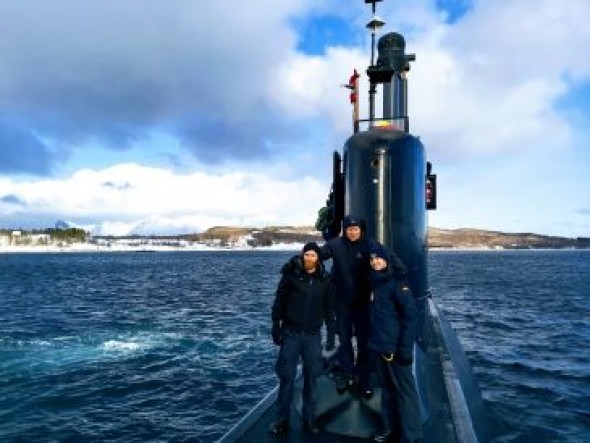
(68, 235)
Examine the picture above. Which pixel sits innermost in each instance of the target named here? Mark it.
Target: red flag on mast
(353, 86)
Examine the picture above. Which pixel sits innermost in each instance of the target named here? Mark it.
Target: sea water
(142, 347)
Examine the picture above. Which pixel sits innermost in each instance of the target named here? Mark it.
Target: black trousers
(309, 348)
(400, 411)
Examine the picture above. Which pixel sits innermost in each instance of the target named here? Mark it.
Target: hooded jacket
(393, 315)
(350, 264)
(304, 301)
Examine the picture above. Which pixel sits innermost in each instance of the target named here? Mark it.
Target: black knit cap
(311, 246)
(351, 220)
(378, 250)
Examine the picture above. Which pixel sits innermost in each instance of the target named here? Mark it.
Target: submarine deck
(350, 418)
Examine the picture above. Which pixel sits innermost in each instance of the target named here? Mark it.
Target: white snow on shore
(88, 247)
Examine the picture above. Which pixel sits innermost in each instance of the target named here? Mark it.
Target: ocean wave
(117, 345)
(176, 347)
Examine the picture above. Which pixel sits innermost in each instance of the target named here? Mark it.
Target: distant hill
(259, 236)
(478, 238)
(437, 238)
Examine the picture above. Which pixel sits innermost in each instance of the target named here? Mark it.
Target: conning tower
(384, 167)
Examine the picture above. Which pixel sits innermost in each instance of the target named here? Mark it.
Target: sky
(171, 116)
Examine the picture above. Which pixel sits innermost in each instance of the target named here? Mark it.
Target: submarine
(383, 176)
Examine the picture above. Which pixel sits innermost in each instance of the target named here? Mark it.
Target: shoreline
(91, 248)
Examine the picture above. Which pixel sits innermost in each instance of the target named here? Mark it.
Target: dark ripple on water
(174, 347)
(133, 347)
(523, 319)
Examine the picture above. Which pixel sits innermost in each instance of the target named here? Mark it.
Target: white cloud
(490, 83)
(311, 86)
(130, 198)
(483, 96)
(478, 87)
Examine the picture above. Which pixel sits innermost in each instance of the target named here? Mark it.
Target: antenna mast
(374, 25)
(389, 69)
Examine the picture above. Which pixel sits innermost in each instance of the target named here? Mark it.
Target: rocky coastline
(437, 238)
(288, 238)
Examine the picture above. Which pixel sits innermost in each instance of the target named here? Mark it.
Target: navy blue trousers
(309, 348)
(400, 411)
(354, 321)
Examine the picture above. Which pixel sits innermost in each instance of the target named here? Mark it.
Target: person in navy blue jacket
(303, 303)
(350, 270)
(392, 334)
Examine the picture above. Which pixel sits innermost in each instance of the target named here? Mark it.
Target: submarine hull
(385, 174)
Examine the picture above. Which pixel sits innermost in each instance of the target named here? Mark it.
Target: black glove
(330, 342)
(277, 337)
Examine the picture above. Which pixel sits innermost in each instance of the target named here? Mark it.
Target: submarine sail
(383, 177)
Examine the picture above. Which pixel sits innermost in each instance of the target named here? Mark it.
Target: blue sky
(156, 117)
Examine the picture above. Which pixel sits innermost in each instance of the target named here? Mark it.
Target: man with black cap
(303, 302)
(350, 270)
(392, 335)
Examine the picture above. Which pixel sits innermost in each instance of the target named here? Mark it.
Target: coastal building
(15, 237)
(5, 239)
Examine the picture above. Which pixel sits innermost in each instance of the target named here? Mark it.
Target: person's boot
(368, 393)
(366, 390)
(384, 436)
(311, 427)
(279, 427)
(341, 382)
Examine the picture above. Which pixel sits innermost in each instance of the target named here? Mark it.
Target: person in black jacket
(392, 335)
(303, 302)
(350, 270)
